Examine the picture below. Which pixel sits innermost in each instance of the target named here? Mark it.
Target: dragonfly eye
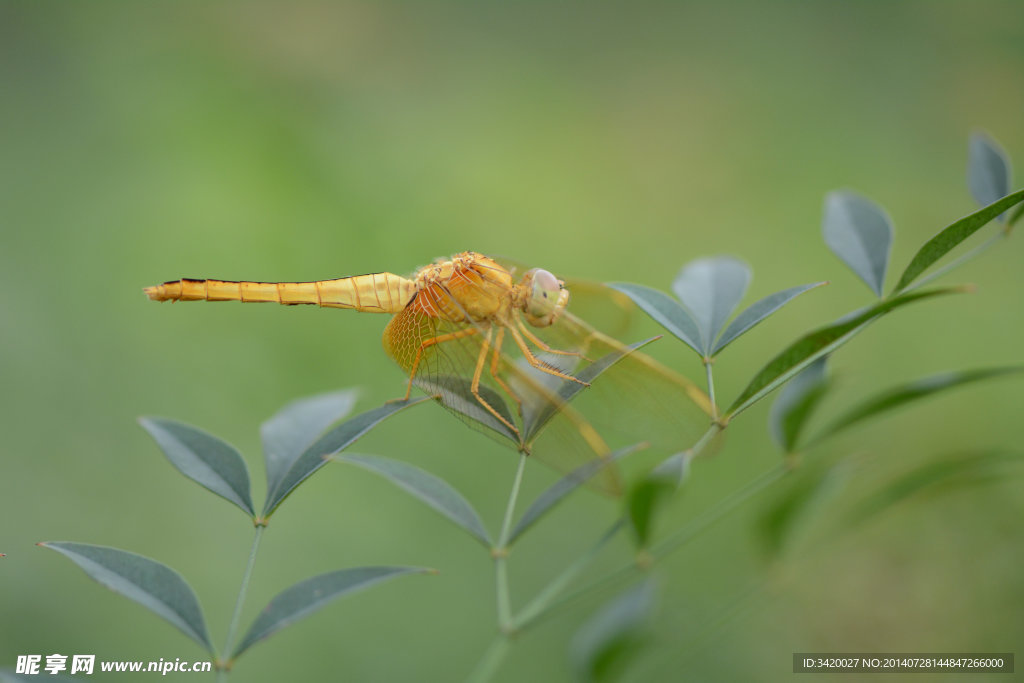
(547, 297)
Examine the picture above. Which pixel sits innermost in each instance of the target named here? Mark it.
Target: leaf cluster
(295, 446)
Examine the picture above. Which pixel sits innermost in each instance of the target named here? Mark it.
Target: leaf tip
(833, 196)
(859, 231)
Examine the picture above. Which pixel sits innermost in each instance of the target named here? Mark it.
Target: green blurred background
(293, 141)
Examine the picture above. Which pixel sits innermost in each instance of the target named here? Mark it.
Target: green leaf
(949, 238)
(153, 585)
(945, 475)
(895, 397)
(988, 169)
(798, 506)
(860, 233)
(648, 495)
(430, 489)
(602, 645)
(674, 468)
(665, 310)
(758, 311)
(563, 487)
(820, 342)
(308, 596)
(295, 427)
(203, 458)
(970, 255)
(796, 402)
(336, 439)
(711, 288)
(543, 602)
(456, 394)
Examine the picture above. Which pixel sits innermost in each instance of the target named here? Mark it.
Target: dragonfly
(497, 344)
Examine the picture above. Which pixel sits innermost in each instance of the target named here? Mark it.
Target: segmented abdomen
(377, 292)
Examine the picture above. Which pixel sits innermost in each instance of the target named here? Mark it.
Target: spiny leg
(542, 345)
(536, 362)
(474, 387)
(495, 359)
(573, 324)
(424, 345)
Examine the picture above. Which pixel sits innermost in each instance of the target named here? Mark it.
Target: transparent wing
(455, 357)
(480, 374)
(636, 398)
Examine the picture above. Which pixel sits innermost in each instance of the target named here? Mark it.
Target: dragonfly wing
(570, 440)
(518, 393)
(636, 397)
(442, 356)
(561, 422)
(632, 397)
(556, 391)
(456, 394)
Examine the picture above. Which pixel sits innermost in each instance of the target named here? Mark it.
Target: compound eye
(544, 293)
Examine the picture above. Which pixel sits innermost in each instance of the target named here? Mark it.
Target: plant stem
(962, 259)
(243, 589)
(704, 440)
(537, 606)
(711, 386)
(510, 508)
(491, 660)
(496, 651)
(504, 603)
(501, 552)
(718, 511)
(739, 606)
(679, 538)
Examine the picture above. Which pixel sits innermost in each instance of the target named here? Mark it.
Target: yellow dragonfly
(498, 345)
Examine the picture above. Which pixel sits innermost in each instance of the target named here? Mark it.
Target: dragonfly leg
(427, 343)
(495, 359)
(474, 387)
(542, 345)
(536, 362)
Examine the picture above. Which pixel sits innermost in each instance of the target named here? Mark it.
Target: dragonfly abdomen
(377, 292)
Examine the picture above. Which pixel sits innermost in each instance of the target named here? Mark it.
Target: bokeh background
(308, 140)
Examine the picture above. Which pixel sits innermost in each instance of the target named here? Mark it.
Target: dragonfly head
(546, 297)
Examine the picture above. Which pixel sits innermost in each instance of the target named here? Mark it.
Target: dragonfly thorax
(468, 288)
